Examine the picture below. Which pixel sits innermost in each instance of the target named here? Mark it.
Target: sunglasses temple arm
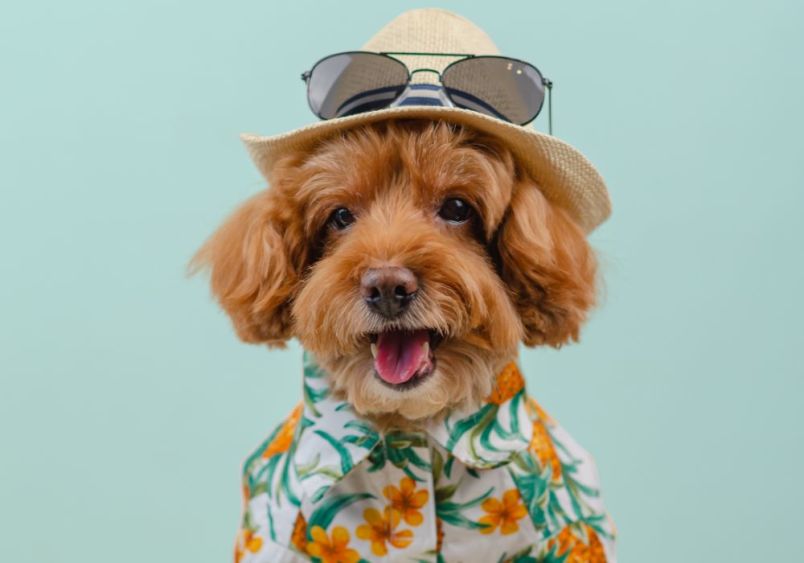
(549, 85)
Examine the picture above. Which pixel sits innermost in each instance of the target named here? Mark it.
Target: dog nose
(388, 290)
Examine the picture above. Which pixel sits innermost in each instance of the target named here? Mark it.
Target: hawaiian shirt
(500, 482)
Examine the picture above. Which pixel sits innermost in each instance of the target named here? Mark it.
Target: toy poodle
(411, 257)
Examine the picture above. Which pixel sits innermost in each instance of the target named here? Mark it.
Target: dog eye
(455, 210)
(341, 218)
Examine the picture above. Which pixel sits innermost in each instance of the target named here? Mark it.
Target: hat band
(413, 95)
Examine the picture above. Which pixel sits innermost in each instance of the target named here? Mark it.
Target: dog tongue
(400, 354)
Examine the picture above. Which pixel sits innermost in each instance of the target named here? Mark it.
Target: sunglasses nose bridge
(425, 75)
(432, 70)
(429, 78)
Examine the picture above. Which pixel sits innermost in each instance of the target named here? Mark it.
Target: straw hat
(564, 175)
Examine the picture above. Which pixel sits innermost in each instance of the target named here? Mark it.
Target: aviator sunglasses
(355, 82)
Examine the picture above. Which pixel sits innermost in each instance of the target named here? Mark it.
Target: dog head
(411, 258)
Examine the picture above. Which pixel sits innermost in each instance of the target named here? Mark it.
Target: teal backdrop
(126, 402)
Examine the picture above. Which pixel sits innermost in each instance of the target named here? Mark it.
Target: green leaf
(361, 425)
(302, 470)
(327, 470)
(269, 469)
(443, 494)
(313, 396)
(271, 523)
(377, 458)
(448, 466)
(522, 556)
(585, 489)
(553, 556)
(258, 489)
(319, 494)
(461, 521)
(597, 522)
(438, 465)
(485, 436)
(515, 410)
(401, 440)
(450, 507)
(414, 458)
(464, 425)
(285, 483)
(365, 442)
(396, 457)
(325, 513)
(343, 452)
(527, 462)
(409, 472)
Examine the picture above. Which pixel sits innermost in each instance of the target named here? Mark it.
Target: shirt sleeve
(571, 511)
(269, 521)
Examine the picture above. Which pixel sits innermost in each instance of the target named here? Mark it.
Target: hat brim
(565, 176)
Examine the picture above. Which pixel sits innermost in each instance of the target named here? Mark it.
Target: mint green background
(126, 403)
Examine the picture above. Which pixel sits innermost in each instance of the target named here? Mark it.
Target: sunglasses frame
(546, 82)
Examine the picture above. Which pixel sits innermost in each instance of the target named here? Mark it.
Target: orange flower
(439, 535)
(299, 536)
(577, 548)
(380, 528)
(543, 447)
(335, 550)
(283, 439)
(407, 500)
(246, 540)
(509, 382)
(503, 514)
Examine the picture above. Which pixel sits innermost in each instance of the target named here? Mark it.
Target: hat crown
(431, 30)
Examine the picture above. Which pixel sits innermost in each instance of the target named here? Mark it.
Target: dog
(411, 258)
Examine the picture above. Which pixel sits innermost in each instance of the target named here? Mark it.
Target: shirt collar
(333, 439)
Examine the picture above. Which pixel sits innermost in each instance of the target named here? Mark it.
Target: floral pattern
(577, 543)
(333, 549)
(407, 500)
(246, 541)
(504, 513)
(284, 438)
(298, 538)
(509, 382)
(329, 487)
(380, 529)
(543, 447)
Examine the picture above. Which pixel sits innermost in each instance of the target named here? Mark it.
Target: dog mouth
(404, 358)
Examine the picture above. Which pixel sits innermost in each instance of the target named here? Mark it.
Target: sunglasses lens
(504, 88)
(350, 83)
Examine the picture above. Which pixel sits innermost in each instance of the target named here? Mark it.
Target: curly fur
(522, 272)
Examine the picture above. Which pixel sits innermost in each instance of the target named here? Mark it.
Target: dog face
(411, 258)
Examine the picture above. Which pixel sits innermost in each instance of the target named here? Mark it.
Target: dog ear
(254, 260)
(548, 266)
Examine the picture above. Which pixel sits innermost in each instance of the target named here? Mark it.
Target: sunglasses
(359, 81)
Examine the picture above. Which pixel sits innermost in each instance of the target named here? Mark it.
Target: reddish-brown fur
(525, 273)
